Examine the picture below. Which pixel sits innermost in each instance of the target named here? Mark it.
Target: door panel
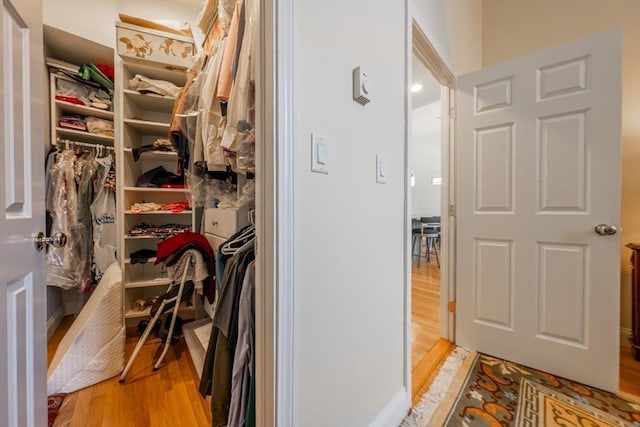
(493, 284)
(561, 145)
(538, 167)
(494, 166)
(22, 290)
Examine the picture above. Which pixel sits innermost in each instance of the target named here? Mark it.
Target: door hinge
(452, 210)
(452, 307)
(453, 113)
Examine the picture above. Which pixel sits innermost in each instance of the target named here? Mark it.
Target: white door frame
(275, 218)
(418, 43)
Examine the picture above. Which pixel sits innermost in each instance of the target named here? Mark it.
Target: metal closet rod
(83, 144)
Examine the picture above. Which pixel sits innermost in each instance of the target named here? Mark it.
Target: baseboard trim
(395, 411)
(54, 321)
(625, 337)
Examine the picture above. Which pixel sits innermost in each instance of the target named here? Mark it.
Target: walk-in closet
(150, 195)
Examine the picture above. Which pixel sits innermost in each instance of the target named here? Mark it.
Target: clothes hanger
(229, 248)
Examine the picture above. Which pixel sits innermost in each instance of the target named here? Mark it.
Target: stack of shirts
(89, 124)
(158, 231)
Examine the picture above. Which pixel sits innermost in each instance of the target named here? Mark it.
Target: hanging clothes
(218, 368)
(72, 204)
(103, 213)
(241, 372)
(85, 168)
(64, 265)
(226, 72)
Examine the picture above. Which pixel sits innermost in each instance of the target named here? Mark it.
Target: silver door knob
(57, 240)
(605, 229)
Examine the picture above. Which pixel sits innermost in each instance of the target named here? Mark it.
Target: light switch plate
(319, 153)
(381, 170)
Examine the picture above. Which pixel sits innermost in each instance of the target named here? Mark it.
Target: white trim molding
(417, 43)
(54, 321)
(275, 218)
(625, 337)
(284, 51)
(394, 412)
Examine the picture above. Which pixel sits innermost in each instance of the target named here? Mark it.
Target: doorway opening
(425, 186)
(430, 256)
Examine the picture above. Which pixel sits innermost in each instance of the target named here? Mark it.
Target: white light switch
(319, 153)
(322, 153)
(381, 170)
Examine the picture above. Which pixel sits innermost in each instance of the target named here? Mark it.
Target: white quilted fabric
(93, 348)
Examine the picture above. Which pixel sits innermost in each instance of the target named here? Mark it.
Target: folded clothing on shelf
(159, 231)
(92, 72)
(99, 126)
(145, 207)
(161, 87)
(160, 144)
(156, 177)
(82, 93)
(142, 256)
(72, 121)
(176, 207)
(152, 207)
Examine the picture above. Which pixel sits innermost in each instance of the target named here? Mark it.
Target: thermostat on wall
(360, 86)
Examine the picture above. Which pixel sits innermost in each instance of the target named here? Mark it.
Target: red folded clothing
(174, 244)
(175, 207)
(70, 99)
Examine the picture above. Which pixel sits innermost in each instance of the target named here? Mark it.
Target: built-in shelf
(149, 261)
(196, 335)
(164, 281)
(158, 213)
(133, 314)
(70, 108)
(142, 238)
(176, 75)
(156, 190)
(155, 154)
(148, 127)
(143, 117)
(150, 101)
(83, 136)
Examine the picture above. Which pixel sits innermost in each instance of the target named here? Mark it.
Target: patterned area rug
(494, 392)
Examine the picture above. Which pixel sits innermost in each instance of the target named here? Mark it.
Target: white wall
(513, 28)
(454, 28)
(426, 159)
(95, 19)
(348, 229)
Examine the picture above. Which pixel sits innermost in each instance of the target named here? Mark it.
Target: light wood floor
(428, 350)
(168, 397)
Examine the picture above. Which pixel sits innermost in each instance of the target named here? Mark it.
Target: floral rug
(494, 392)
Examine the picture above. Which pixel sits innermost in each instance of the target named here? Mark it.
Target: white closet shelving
(61, 108)
(143, 118)
(70, 300)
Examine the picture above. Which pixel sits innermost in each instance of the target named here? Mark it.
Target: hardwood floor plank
(629, 372)
(426, 348)
(168, 397)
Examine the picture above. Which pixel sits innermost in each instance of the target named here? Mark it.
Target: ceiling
(430, 87)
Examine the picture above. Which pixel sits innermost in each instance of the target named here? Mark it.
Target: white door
(538, 161)
(22, 292)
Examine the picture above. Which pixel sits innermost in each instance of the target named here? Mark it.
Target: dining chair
(429, 230)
